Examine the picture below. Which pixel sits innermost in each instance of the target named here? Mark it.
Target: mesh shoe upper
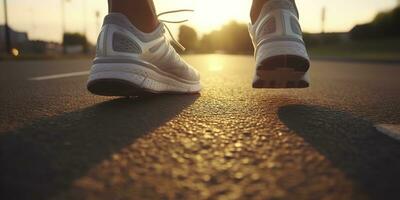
(120, 40)
(278, 21)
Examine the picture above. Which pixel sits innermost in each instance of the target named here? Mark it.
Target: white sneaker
(129, 62)
(281, 56)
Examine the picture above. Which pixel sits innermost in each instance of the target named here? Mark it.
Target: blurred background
(357, 29)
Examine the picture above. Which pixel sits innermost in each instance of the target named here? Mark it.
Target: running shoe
(130, 62)
(280, 53)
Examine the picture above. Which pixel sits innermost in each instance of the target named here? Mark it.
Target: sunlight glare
(214, 63)
(211, 14)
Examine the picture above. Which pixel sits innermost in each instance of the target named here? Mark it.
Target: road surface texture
(229, 142)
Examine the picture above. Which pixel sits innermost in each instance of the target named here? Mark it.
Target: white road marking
(57, 76)
(390, 130)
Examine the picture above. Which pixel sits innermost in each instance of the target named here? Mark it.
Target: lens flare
(15, 52)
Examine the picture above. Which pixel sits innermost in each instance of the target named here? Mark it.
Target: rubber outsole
(282, 71)
(116, 87)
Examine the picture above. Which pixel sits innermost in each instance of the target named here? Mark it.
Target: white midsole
(142, 77)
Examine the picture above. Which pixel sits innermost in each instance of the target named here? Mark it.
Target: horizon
(42, 21)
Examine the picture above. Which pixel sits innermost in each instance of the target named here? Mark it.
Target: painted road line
(390, 130)
(58, 76)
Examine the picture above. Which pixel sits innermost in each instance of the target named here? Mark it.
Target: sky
(42, 18)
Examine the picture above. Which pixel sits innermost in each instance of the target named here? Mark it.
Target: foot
(129, 62)
(281, 57)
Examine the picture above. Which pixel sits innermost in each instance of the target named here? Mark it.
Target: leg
(255, 11)
(141, 13)
(256, 8)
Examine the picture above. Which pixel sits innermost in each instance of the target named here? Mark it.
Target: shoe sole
(284, 71)
(287, 67)
(127, 79)
(116, 87)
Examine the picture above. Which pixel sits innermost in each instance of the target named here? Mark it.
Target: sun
(212, 14)
(208, 15)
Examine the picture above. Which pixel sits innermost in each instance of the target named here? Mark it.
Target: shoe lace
(179, 45)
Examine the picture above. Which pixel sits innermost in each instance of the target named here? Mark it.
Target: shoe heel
(116, 80)
(282, 65)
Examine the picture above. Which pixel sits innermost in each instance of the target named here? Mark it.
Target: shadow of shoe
(42, 159)
(369, 158)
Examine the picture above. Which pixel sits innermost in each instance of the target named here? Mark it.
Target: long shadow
(369, 158)
(42, 159)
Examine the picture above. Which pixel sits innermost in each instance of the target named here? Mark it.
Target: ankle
(256, 8)
(142, 16)
(145, 25)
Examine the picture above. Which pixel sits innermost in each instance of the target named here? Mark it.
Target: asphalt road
(229, 142)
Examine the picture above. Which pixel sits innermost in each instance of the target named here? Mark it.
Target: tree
(231, 38)
(188, 38)
(385, 24)
(75, 39)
